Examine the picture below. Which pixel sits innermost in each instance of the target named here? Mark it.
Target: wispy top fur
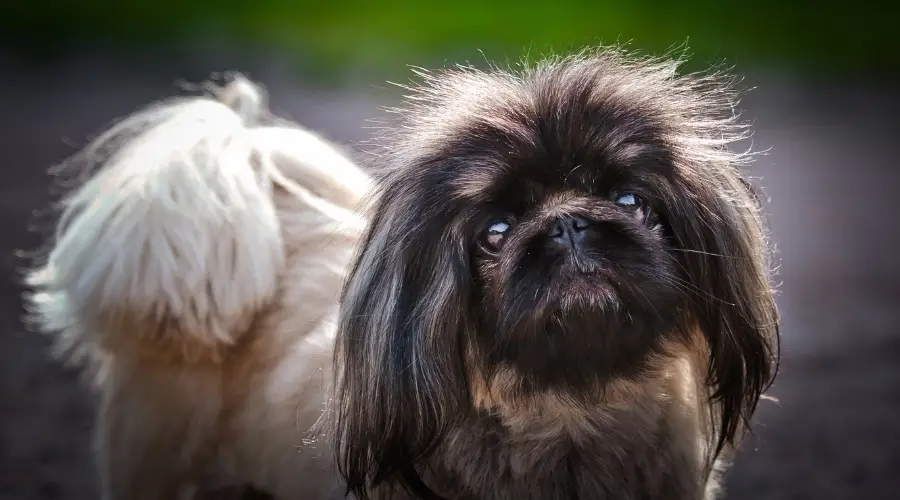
(697, 112)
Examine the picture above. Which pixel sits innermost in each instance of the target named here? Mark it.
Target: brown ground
(832, 177)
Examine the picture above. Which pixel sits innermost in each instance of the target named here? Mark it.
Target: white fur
(198, 269)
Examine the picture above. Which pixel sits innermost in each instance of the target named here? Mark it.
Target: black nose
(568, 232)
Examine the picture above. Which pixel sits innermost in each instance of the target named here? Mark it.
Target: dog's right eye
(495, 235)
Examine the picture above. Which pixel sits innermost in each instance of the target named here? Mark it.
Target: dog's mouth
(585, 291)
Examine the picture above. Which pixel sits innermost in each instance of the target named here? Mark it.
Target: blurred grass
(331, 35)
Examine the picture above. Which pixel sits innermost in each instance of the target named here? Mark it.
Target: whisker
(701, 252)
(690, 287)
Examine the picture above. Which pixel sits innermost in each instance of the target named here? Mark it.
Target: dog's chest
(629, 461)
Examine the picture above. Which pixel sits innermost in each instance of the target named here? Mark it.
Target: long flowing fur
(194, 274)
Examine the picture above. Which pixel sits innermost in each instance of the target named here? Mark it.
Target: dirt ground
(831, 174)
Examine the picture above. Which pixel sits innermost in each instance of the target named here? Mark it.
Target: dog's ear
(721, 244)
(399, 363)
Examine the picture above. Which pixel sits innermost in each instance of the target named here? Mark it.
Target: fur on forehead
(585, 113)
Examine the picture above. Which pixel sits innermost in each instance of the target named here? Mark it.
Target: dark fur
(427, 317)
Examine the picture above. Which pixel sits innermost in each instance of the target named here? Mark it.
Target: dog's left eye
(629, 200)
(639, 207)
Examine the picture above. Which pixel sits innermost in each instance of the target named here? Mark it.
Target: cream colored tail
(173, 243)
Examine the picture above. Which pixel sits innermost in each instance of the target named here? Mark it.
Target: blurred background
(826, 105)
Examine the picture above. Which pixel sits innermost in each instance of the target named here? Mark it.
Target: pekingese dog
(559, 289)
(562, 292)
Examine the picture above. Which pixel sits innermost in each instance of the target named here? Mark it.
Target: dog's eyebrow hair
(572, 171)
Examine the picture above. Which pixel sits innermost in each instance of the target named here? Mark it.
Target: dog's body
(200, 272)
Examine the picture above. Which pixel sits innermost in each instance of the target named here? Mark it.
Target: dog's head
(566, 224)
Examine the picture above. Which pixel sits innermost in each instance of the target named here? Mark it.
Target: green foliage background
(331, 34)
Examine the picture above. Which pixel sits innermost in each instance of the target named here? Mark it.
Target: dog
(564, 289)
(555, 283)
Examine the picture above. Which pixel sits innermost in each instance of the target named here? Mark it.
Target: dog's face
(565, 223)
(575, 277)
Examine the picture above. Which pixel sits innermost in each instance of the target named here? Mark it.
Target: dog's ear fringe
(400, 382)
(169, 239)
(729, 259)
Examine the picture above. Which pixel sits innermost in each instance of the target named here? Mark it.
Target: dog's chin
(587, 334)
(581, 293)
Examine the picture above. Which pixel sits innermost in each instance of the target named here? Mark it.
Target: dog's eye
(629, 200)
(639, 207)
(494, 235)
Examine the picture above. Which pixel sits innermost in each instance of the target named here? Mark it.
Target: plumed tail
(173, 243)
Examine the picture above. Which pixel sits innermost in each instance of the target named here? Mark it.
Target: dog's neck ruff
(646, 440)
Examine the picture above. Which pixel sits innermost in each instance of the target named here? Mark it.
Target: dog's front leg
(156, 429)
